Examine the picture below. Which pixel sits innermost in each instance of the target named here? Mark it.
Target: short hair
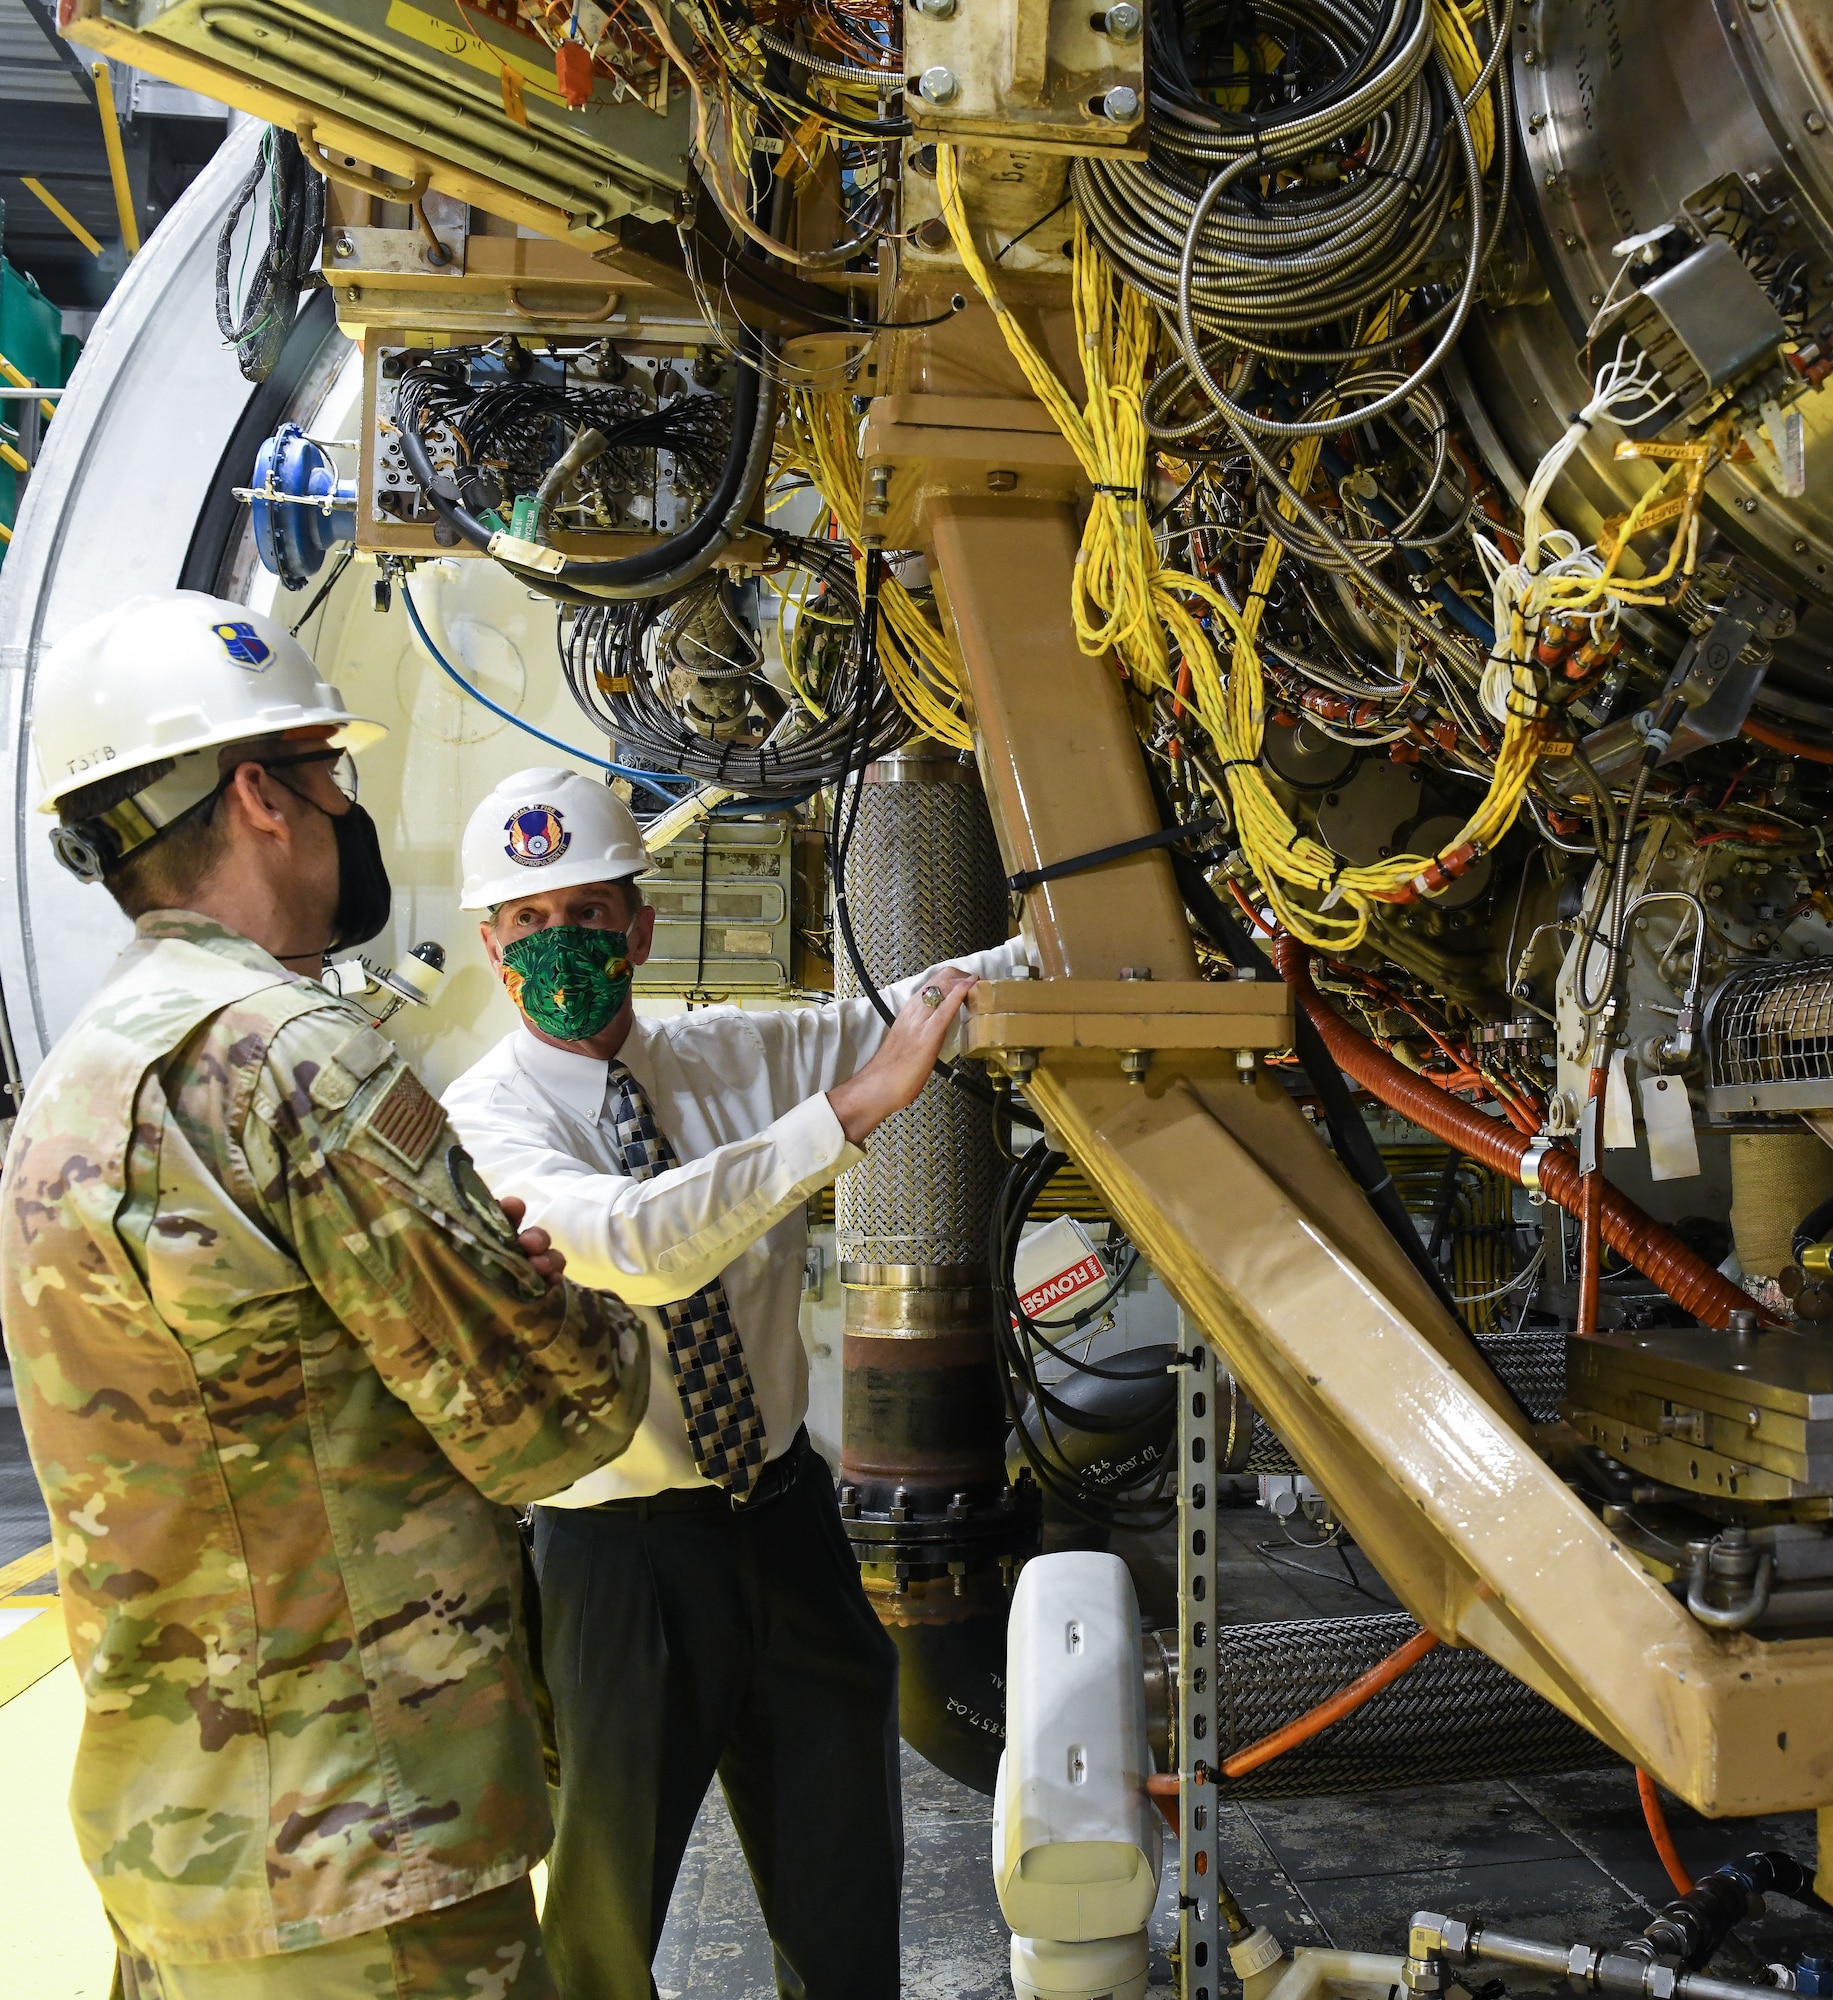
(163, 873)
(635, 902)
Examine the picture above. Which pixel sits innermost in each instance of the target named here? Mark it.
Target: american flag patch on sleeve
(407, 1120)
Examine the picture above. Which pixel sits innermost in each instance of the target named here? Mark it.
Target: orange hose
(1248, 910)
(1659, 1834)
(1344, 1702)
(1629, 1230)
(1162, 1790)
(1761, 732)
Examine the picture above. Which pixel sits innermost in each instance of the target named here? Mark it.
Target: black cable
(295, 226)
(324, 590)
(1136, 1501)
(685, 554)
(845, 817)
(618, 658)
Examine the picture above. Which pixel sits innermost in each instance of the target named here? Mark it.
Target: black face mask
(364, 897)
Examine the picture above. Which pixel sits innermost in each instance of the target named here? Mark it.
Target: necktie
(709, 1359)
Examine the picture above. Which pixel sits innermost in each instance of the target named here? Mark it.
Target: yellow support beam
(63, 215)
(9, 457)
(117, 160)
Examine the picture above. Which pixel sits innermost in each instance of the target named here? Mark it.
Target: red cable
(1659, 1834)
(1248, 910)
(1760, 732)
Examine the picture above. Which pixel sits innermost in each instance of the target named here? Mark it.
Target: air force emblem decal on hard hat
(244, 644)
(537, 835)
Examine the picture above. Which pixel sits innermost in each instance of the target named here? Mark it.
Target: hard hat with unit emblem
(167, 674)
(547, 828)
(153, 690)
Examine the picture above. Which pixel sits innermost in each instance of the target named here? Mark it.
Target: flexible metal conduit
(1633, 1234)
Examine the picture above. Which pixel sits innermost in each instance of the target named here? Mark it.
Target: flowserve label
(1054, 1266)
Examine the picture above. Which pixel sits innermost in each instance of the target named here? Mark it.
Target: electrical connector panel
(644, 488)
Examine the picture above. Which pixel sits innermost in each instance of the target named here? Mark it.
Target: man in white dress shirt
(702, 1612)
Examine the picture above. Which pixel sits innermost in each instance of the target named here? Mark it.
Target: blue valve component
(1814, 1972)
(300, 506)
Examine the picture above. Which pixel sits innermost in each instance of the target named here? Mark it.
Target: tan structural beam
(1271, 1250)
(1048, 721)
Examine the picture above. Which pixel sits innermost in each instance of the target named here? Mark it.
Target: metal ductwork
(935, 1523)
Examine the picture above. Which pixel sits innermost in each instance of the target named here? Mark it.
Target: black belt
(772, 1482)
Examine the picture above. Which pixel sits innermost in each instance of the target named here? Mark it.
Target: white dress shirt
(742, 1099)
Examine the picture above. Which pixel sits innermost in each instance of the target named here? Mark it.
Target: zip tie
(1030, 878)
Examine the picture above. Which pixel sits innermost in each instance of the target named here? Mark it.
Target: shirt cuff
(813, 1145)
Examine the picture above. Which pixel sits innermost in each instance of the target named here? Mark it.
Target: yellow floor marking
(30, 1652)
(26, 1569)
(57, 1942)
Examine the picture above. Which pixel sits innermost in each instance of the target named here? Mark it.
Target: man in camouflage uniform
(283, 1366)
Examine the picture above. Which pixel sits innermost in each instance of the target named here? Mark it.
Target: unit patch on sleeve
(407, 1120)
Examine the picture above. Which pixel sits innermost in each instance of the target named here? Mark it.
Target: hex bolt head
(1124, 21)
(342, 246)
(1121, 104)
(935, 10)
(1001, 482)
(939, 85)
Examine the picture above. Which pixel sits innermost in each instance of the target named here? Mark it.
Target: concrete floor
(1562, 1856)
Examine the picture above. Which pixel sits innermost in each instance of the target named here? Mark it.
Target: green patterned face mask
(569, 981)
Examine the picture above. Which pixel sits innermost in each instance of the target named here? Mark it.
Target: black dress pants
(682, 1638)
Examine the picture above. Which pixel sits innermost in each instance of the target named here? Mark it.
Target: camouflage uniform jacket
(283, 1369)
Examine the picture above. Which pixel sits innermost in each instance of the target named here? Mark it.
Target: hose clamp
(1532, 1160)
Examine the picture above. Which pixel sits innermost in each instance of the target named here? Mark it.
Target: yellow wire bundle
(1126, 600)
(819, 432)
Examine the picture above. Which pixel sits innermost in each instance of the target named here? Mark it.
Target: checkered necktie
(709, 1359)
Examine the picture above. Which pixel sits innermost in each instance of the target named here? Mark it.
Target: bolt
(1246, 1064)
(343, 247)
(939, 85)
(1020, 1063)
(935, 10)
(1801, 545)
(931, 234)
(1814, 122)
(1124, 21)
(1529, 58)
(1121, 104)
(1001, 482)
(1134, 1063)
(880, 502)
(1750, 505)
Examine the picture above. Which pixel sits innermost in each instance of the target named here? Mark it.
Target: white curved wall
(110, 513)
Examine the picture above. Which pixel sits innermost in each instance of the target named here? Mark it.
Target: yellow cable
(820, 443)
(1152, 618)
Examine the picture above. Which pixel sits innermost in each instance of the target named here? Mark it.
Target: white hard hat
(547, 828)
(168, 674)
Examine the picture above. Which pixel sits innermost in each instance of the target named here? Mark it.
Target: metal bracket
(1200, 1928)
